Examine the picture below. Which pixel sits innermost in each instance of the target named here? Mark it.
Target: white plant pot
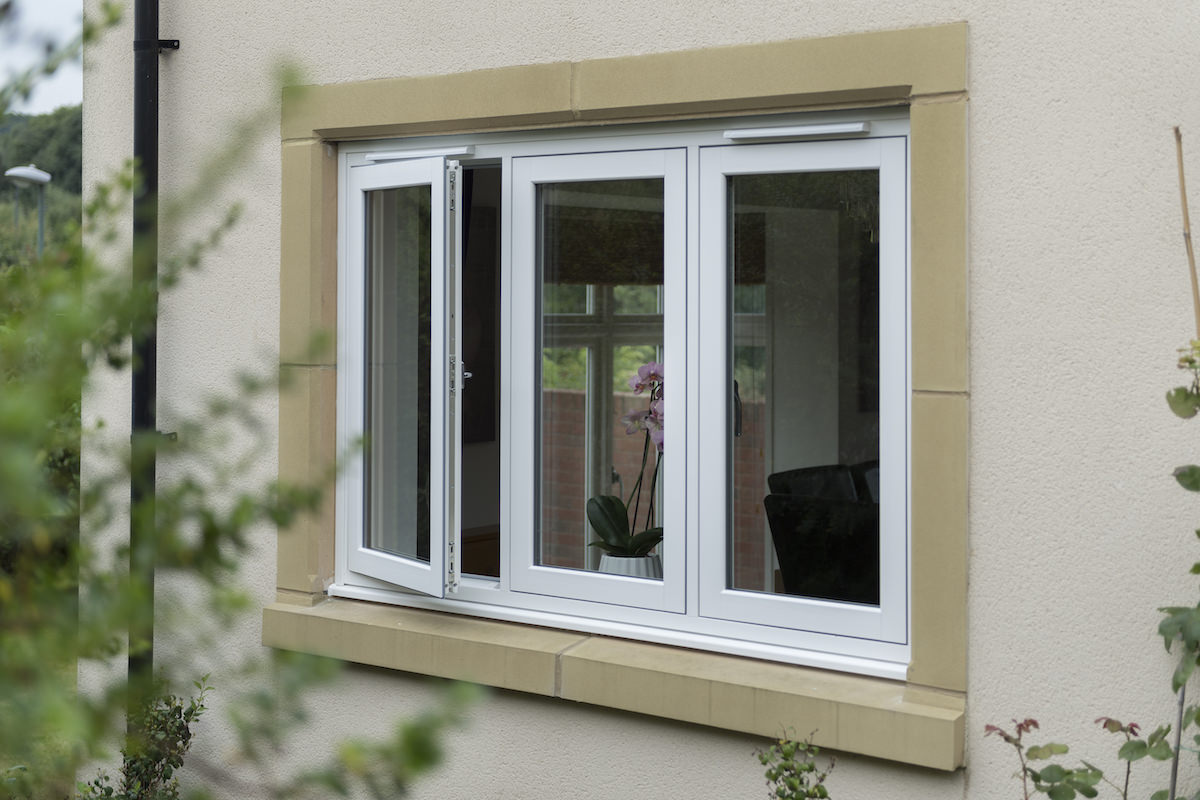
(635, 566)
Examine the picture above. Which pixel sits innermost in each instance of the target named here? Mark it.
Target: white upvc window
(497, 292)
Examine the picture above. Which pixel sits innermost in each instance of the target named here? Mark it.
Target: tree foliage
(67, 602)
(51, 141)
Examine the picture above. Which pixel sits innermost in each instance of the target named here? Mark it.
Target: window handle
(466, 375)
(737, 410)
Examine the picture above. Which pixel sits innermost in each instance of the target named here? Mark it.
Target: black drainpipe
(146, 49)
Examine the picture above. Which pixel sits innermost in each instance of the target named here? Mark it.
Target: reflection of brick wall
(564, 494)
(564, 466)
(749, 489)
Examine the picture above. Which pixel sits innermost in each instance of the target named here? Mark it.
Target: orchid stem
(637, 487)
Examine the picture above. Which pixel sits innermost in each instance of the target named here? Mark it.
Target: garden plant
(1040, 772)
(68, 608)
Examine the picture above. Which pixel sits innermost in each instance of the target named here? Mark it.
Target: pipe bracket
(159, 45)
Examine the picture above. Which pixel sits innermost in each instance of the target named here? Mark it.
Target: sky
(35, 22)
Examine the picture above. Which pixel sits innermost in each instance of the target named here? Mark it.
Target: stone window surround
(919, 721)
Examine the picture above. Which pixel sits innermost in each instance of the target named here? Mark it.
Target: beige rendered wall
(1078, 297)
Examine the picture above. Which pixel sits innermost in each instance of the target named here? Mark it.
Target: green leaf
(1132, 750)
(608, 517)
(1053, 773)
(1048, 750)
(1188, 477)
(1161, 794)
(1191, 629)
(1160, 734)
(1183, 671)
(642, 543)
(1183, 402)
(1171, 628)
(1161, 751)
(1060, 791)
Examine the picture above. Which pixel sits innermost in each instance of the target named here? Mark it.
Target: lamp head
(27, 176)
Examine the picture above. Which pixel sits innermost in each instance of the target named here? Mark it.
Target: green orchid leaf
(1183, 402)
(609, 520)
(642, 543)
(1188, 477)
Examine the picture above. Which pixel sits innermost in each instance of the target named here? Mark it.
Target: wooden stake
(1187, 229)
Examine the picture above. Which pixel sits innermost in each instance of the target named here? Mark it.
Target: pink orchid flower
(634, 421)
(647, 374)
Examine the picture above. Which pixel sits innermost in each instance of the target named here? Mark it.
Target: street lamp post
(32, 176)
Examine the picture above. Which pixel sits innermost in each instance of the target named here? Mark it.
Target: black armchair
(826, 533)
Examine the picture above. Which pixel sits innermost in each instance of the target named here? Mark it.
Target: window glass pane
(564, 464)
(479, 480)
(397, 374)
(804, 313)
(635, 300)
(600, 255)
(633, 454)
(565, 298)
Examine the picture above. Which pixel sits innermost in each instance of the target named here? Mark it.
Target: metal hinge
(453, 374)
(451, 583)
(453, 173)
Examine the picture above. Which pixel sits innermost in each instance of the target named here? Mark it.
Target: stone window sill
(851, 713)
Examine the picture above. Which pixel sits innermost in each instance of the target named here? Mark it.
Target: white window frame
(696, 622)
(889, 620)
(526, 575)
(427, 577)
